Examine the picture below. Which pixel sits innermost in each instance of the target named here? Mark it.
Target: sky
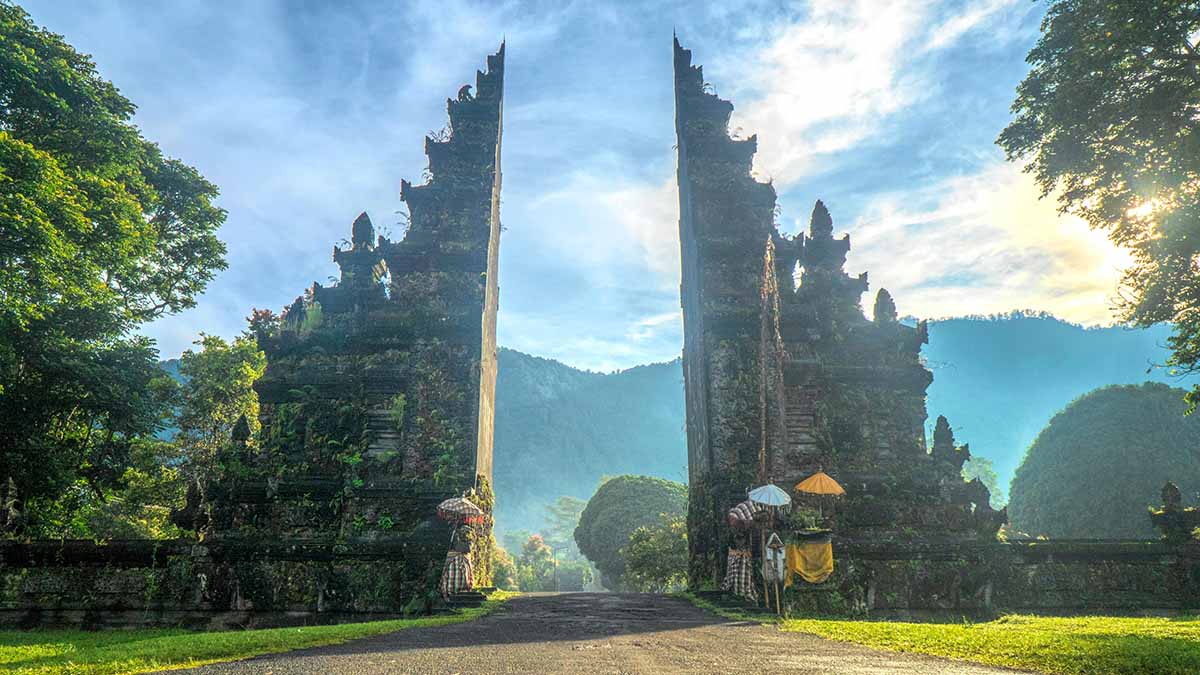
(307, 113)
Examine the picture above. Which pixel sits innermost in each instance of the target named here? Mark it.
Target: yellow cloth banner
(813, 562)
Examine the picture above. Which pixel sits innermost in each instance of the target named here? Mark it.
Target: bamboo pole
(762, 540)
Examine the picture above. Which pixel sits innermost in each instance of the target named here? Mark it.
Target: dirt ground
(594, 633)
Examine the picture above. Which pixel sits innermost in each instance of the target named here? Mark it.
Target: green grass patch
(1092, 644)
(120, 652)
(1072, 645)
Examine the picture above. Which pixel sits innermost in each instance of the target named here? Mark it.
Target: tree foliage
(535, 566)
(656, 557)
(981, 467)
(562, 517)
(1109, 119)
(504, 571)
(98, 233)
(217, 391)
(620, 506)
(1098, 465)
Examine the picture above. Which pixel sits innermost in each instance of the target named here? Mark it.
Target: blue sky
(306, 113)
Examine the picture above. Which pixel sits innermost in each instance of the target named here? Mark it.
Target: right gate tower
(784, 374)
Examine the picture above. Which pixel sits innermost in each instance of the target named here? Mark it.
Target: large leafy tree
(620, 506)
(99, 232)
(562, 517)
(217, 391)
(656, 558)
(1108, 119)
(1098, 464)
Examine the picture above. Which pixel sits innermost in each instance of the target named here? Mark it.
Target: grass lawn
(1090, 644)
(113, 652)
(1084, 645)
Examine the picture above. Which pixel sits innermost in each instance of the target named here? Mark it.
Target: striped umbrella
(460, 510)
(742, 515)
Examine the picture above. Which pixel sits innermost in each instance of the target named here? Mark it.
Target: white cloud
(983, 244)
(833, 78)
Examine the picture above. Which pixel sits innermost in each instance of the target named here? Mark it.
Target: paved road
(594, 633)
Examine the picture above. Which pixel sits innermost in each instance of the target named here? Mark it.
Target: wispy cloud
(984, 243)
(834, 77)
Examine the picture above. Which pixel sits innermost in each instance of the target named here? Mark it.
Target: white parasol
(770, 495)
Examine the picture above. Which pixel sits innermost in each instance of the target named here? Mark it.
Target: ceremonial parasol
(460, 510)
(773, 498)
(741, 516)
(820, 484)
(770, 495)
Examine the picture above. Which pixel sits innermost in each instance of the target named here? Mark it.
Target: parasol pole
(777, 610)
(762, 540)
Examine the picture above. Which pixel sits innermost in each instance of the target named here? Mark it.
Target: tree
(218, 390)
(98, 233)
(656, 558)
(504, 571)
(620, 506)
(1109, 119)
(1097, 466)
(536, 566)
(562, 517)
(981, 467)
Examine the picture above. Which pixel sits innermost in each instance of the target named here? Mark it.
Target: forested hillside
(1000, 380)
(1100, 462)
(559, 430)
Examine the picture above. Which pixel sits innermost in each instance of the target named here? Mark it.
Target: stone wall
(949, 579)
(724, 216)
(210, 585)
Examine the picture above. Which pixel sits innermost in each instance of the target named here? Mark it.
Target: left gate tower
(377, 402)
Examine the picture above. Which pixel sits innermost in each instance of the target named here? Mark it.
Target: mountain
(1102, 460)
(1000, 379)
(559, 430)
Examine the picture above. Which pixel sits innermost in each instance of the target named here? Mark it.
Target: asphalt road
(594, 633)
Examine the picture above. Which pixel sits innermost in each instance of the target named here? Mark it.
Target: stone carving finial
(821, 225)
(1178, 524)
(241, 431)
(1172, 498)
(943, 435)
(362, 232)
(885, 307)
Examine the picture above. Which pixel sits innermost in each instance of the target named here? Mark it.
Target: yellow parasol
(820, 484)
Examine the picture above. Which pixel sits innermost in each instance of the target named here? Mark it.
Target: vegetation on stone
(619, 507)
(1102, 461)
